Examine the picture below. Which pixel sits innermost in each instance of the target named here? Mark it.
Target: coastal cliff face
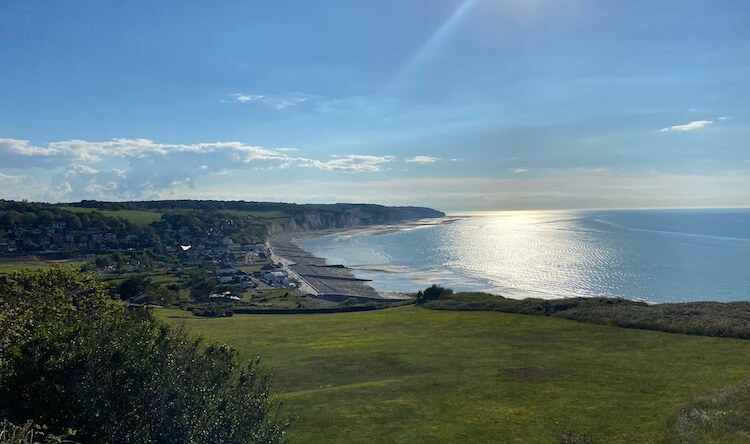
(350, 216)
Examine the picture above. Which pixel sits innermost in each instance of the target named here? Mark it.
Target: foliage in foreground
(723, 417)
(28, 433)
(694, 318)
(71, 357)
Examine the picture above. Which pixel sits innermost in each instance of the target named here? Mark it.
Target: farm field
(409, 374)
(8, 265)
(268, 215)
(136, 217)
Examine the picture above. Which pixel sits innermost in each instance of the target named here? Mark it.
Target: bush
(347, 303)
(71, 357)
(29, 433)
(696, 318)
(213, 311)
(719, 417)
(433, 293)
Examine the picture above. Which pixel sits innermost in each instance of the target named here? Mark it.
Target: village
(238, 268)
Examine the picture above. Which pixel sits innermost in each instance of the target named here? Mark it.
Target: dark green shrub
(71, 357)
(433, 293)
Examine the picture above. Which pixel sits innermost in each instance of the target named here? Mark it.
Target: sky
(453, 104)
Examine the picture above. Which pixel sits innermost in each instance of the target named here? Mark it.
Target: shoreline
(332, 284)
(329, 284)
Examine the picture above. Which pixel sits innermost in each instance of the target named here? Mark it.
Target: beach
(329, 283)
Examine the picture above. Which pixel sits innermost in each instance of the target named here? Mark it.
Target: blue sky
(456, 104)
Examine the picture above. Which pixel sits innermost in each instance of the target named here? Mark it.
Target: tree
(434, 292)
(71, 357)
(133, 286)
(102, 261)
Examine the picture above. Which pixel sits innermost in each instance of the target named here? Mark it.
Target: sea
(650, 255)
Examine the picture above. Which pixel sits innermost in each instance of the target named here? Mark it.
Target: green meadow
(136, 217)
(409, 374)
(32, 263)
(272, 215)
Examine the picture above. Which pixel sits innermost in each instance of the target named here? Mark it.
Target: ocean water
(651, 255)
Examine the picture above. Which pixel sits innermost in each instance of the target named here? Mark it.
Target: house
(225, 278)
(276, 278)
(226, 296)
(225, 269)
(8, 246)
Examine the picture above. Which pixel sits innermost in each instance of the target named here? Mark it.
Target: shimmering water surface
(654, 255)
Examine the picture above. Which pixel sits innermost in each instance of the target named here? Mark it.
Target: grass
(136, 217)
(32, 263)
(278, 298)
(722, 417)
(267, 215)
(414, 375)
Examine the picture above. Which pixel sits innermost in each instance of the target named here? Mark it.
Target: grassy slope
(268, 215)
(8, 265)
(415, 375)
(136, 217)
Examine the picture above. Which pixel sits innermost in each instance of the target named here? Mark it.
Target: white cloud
(8, 179)
(519, 170)
(244, 98)
(285, 103)
(350, 163)
(694, 125)
(725, 118)
(132, 168)
(278, 102)
(421, 159)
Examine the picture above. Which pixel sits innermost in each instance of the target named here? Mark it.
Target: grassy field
(136, 217)
(268, 215)
(414, 375)
(279, 298)
(8, 265)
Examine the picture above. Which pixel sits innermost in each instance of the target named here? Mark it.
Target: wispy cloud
(350, 163)
(287, 102)
(274, 101)
(421, 159)
(725, 118)
(519, 170)
(692, 126)
(8, 179)
(244, 98)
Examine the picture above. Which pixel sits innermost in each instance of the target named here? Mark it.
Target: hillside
(286, 216)
(92, 226)
(414, 375)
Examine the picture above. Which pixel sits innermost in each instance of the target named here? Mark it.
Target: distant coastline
(654, 256)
